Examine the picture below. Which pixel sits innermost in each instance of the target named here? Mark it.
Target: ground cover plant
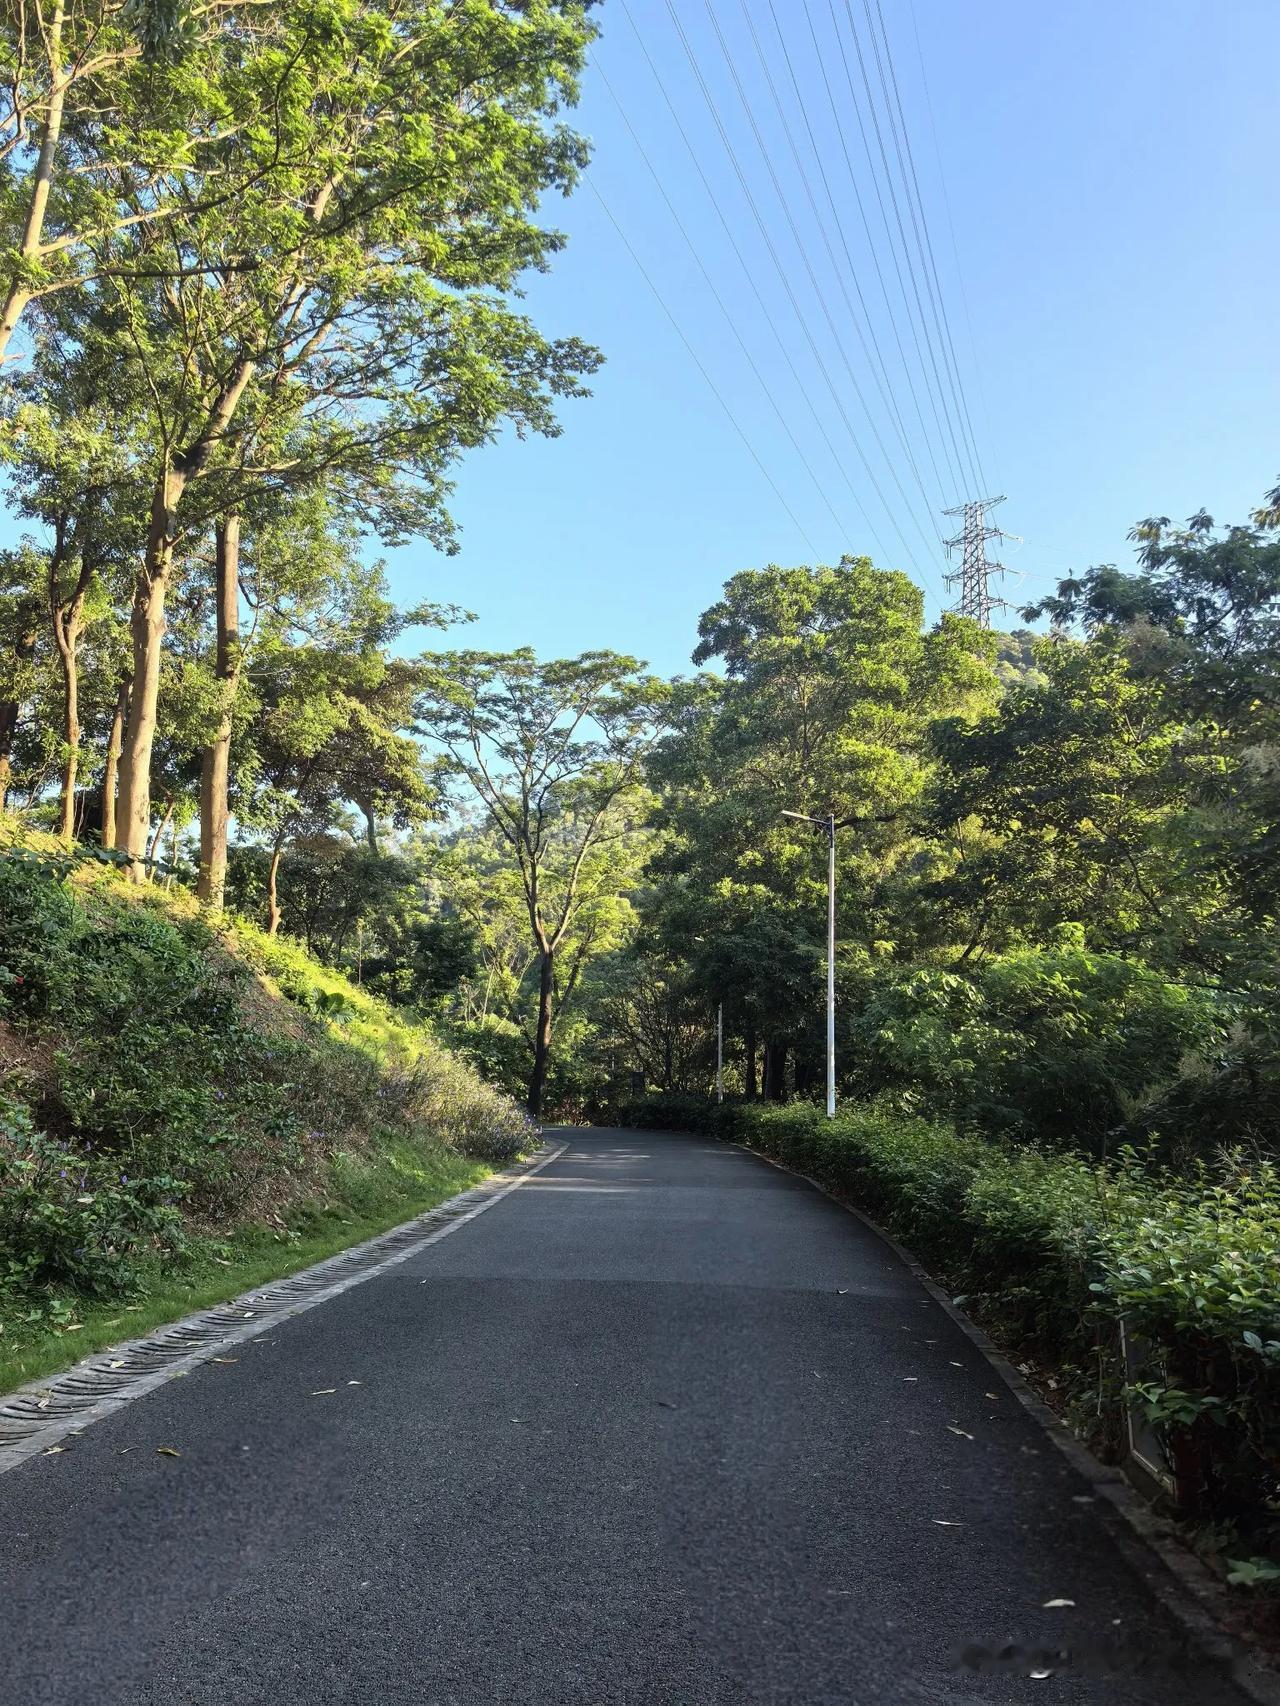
(170, 1079)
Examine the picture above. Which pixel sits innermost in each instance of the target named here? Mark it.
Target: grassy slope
(406, 1123)
(254, 1254)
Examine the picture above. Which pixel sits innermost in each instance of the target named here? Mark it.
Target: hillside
(187, 1107)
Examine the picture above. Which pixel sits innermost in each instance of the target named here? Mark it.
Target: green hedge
(1050, 1251)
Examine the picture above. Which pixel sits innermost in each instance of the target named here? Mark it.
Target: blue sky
(1109, 176)
(1097, 184)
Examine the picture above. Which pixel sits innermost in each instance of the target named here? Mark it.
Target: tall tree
(339, 312)
(555, 753)
(830, 683)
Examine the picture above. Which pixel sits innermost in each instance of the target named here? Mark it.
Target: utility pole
(830, 824)
(975, 568)
(720, 1052)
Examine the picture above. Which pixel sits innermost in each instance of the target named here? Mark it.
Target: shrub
(70, 1217)
(1060, 1045)
(174, 1086)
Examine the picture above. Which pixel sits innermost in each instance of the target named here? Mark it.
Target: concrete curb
(44, 1413)
(1188, 1590)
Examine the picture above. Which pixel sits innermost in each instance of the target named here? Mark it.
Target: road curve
(665, 1425)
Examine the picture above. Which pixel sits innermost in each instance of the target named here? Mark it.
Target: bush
(1053, 1251)
(69, 1217)
(161, 1081)
(1061, 1045)
(670, 1110)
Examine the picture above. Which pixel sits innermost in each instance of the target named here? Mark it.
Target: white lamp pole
(720, 1052)
(830, 825)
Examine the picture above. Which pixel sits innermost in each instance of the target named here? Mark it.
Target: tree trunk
(273, 899)
(8, 726)
(153, 852)
(66, 633)
(147, 622)
(749, 1065)
(112, 765)
(542, 1037)
(148, 627)
(66, 616)
(370, 828)
(17, 295)
(215, 765)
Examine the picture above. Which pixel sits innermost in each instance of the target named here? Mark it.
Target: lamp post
(829, 824)
(720, 1052)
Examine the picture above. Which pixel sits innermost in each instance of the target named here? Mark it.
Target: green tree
(555, 753)
(830, 684)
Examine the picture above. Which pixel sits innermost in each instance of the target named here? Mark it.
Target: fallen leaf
(180, 1374)
(1039, 1675)
(54, 1450)
(994, 1397)
(943, 1523)
(248, 1315)
(355, 1383)
(960, 1431)
(167, 1451)
(842, 1291)
(226, 1360)
(125, 1450)
(117, 1364)
(1051, 1604)
(323, 1391)
(74, 1327)
(911, 1379)
(521, 1419)
(957, 1365)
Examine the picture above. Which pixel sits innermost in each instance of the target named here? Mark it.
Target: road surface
(665, 1425)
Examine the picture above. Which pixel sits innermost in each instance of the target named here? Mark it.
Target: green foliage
(160, 1083)
(69, 1217)
(1059, 1044)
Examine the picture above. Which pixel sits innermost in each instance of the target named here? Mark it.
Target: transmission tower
(973, 576)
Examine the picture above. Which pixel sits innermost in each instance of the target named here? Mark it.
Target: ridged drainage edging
(37, 1417)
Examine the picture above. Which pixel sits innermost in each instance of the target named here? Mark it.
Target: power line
(697, 361)
(915, 202)
(761, 144)
(951, 224)
(821, 59)
(946, 426)
(720, 302)
(750, 275)
(726, 140)
(876, 361)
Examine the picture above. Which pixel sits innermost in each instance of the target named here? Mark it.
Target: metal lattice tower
(973, 576)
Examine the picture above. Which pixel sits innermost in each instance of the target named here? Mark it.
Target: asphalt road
(665, 1425)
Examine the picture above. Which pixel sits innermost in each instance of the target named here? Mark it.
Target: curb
(1185, 1587)
(36, 1417)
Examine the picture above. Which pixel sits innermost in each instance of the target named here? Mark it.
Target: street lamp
(830, 824)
